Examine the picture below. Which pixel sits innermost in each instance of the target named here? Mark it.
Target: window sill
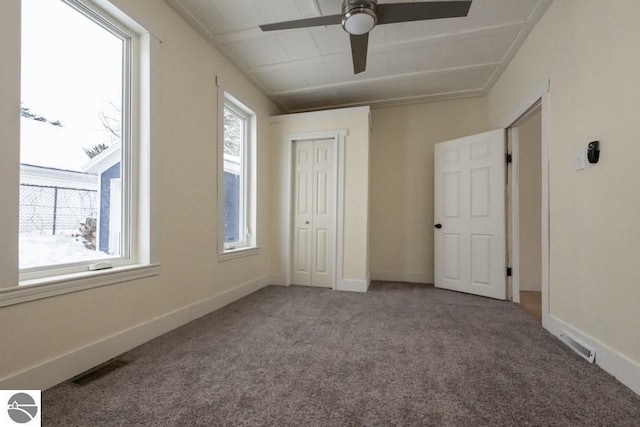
(238, 253)
(30, 290)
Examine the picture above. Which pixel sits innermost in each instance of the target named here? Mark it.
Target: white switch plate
(579, 159)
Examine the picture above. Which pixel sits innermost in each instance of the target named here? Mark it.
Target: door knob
(306, 222)
(438, 226)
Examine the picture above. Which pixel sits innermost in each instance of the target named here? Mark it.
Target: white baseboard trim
(396, 276)
(352, 285)
(202, 308)
(530, 284)
(618, 365)
(59, 369)
(277, 280)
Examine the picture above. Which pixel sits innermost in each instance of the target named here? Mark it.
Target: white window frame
(248, 245)
(139, 258)
(128, 142)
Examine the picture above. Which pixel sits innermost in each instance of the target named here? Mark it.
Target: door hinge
(509, 272)
(508, 158)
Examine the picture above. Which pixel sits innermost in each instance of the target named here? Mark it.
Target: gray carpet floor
(399, 355)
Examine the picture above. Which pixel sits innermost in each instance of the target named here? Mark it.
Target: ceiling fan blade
(407, 12)
(319, 21)
(359, 46)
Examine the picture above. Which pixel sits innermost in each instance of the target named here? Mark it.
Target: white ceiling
(310, 69)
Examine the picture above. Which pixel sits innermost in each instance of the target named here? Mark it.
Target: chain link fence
(55, 210)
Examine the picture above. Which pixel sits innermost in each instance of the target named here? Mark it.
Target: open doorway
(525, 216)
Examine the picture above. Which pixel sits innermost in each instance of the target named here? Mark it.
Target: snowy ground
(38, 251)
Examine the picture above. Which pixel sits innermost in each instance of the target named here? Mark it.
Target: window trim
(245, 173)
(129, 143)
(63, 284)
(249, 246)
(145, 54)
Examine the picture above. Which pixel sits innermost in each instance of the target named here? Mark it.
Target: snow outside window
(75, 169)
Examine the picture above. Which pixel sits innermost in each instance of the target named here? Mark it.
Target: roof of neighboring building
(104, 160)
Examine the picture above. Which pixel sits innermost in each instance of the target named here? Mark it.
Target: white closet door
(314, 204)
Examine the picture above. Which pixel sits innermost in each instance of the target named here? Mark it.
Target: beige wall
(402, 181)
(184, 147)
(585, 47)
(356, 183)
(530, 193)
(589, 51)
(9, 131)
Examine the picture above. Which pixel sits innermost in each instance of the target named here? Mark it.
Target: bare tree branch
(110, 118)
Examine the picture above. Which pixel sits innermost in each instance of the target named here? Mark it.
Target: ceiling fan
(361, 16)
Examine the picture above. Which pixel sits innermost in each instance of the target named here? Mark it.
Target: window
(237, 186)
(76, 169)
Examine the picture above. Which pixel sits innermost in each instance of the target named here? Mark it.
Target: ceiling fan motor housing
(359, 16)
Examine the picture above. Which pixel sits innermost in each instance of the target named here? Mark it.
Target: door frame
(538, 101)
(339, 138)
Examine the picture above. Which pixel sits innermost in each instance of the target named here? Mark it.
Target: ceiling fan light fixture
(359, 17)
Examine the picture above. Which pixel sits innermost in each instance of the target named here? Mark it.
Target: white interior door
(470, 241)
(314, 205)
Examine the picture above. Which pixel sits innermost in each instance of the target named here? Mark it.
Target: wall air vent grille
(97, 372)
(578, 346)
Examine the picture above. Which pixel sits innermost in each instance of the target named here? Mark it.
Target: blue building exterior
(231, 207)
